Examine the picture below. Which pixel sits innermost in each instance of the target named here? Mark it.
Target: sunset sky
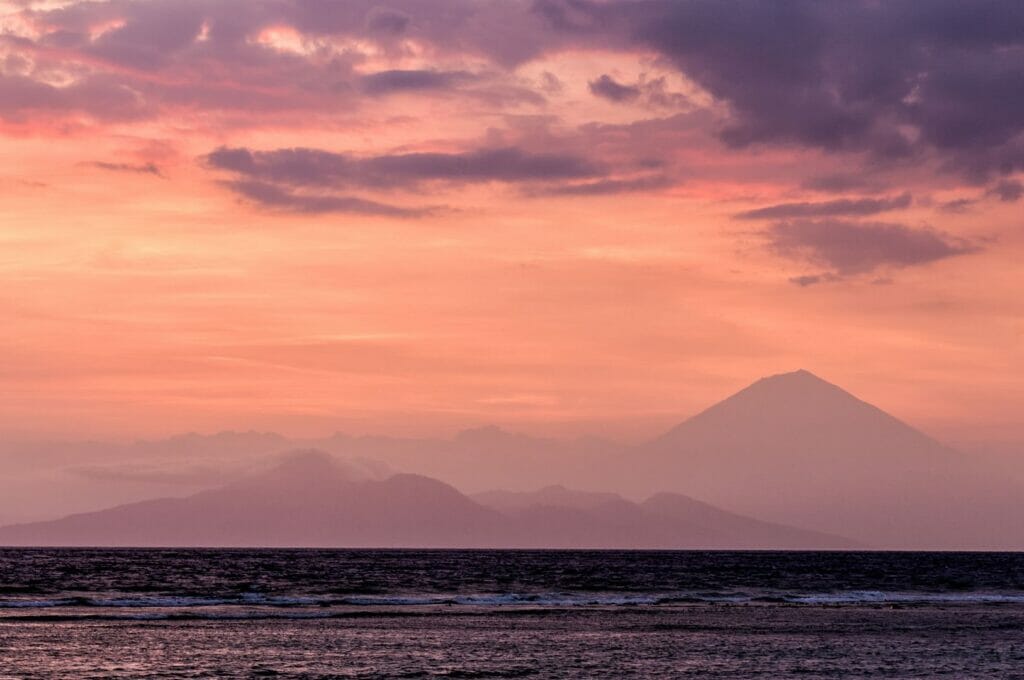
(562, 216)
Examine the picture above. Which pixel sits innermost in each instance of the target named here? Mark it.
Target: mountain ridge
(309, 500)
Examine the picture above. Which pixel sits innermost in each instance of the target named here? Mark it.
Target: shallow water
(239, 613)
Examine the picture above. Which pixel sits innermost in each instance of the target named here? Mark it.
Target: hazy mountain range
(790, 450)
(311, 500)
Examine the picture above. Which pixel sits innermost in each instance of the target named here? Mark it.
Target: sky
(562, 216)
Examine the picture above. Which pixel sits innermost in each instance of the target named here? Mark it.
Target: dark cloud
(656, 93)
(1009, 190)
(765, 60)
(550, 83)
(168, 28)
(317, 181)
(958, 205)
(843, 207)
(502, 165)
(893, 78)
(653, 92)
(608, 88)
(806, 280)
(841, 183)
(277, 198)
(849, 247)
(297, 167)
(142, 169)
(99, 97)
(388, 82)
(488, 87)
(309, 180)
(812, 279)
(605, 187)
(313, 167)
(212, 55)
(388, 21)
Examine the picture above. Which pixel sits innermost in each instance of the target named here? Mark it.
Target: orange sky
(143, 293)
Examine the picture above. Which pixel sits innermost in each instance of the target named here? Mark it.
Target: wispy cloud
(388, 82)
(842, 207)
(605, 187)
(137, 168)
(315, 167)
(308, 180)
(286, 200)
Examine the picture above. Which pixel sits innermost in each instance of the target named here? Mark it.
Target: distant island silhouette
(790, 462)
(312, 500)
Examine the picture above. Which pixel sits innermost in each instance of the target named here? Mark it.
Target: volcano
(796, 449)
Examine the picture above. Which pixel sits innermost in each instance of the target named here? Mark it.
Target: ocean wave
(35, 604)
(260, 601)
(509, 599)
(874, 596)
(166, 616)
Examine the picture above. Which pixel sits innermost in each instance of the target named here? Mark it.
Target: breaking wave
(256, 604)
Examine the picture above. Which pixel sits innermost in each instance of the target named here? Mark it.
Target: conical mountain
(780, 403)
(796, 449)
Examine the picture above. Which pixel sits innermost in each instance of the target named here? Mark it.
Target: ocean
(198, 613)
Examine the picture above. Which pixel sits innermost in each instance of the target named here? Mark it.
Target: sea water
(112, 613)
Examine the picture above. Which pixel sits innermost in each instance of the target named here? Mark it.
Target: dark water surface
(373, 613)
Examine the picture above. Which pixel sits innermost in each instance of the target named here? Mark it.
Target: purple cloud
(653, 92)
(277, 198)
(1008, 190)
(894, 78)
(813, 279)
(310, 180)
(890, 82)
(141, 169)
(605, 187)
(314, 167)
(608, 88)
(168, 29)
(840, 207)
(388, 82)
(99, 97)
(958, 205)
(215, 56)
(841, 183)
(851, 248)
(387, 21)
